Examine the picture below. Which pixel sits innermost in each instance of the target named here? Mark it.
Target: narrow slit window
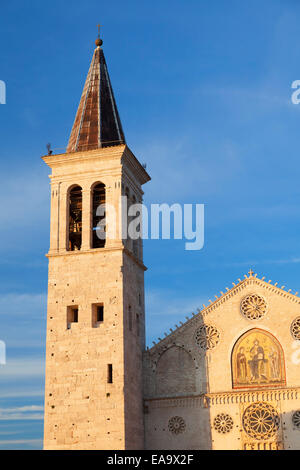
(138, 325)
(75, 315)
(100, 313)
(130, 318)
(109, 373)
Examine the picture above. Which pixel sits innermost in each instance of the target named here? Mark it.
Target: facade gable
(244, 348)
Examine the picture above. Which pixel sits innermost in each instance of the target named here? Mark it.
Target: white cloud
(24, 200)
(22, 368)
(21, 394)
(34, 442)
(253, 263)
(23, 320)
(260, 98)
(166, 302)
(22, 409)
(23, 413)
(25, 210)
(23, 328)
(166, 306)
(27, 305)
(180, 171)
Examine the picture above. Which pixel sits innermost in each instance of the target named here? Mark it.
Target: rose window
(295, 328)
(261, 421)
(176, 425)
(253, 307)
(296, 419)
(223, 423)
(207, 337)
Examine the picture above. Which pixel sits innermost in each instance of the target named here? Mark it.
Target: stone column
(54, 218)
(63, 218)
(86, 218)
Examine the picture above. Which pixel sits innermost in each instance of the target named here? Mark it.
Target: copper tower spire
(97, 123)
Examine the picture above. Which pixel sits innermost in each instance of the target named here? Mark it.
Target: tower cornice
(120, 152)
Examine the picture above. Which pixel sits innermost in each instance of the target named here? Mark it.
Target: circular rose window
(253, 307)
(296, 419)
(295, 328)
(223, 423)
(207, 337)
(261, 421)
(176, 425)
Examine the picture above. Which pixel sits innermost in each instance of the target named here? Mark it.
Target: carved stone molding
(226, 398)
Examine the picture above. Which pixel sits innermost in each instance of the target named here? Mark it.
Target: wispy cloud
(24, 207)
(258, 97)
(190, 172)
(253, 263)
(22, 409)
(22, 368)
(263, 211)
(23, 413)
(29, 310)
(24, 198)
(27, 305)
(21, 394)
(165, 304)
(33, 442)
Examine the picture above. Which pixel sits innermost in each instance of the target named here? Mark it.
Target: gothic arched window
(75, 218)
(98, 223)
(257, 361)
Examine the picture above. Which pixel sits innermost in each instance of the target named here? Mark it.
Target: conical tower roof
(97, 123)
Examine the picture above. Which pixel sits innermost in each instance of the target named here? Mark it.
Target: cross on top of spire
(99, 41)
(250, 273)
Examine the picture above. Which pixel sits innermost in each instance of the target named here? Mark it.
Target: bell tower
(95, 313)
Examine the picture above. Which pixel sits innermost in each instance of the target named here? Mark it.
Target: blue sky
(204, 93)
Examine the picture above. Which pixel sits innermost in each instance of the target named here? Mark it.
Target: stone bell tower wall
(93, 396)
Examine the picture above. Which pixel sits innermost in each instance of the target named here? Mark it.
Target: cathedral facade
(228, 378)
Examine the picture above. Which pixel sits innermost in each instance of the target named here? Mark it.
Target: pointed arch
(175, 373)
(257, 361)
